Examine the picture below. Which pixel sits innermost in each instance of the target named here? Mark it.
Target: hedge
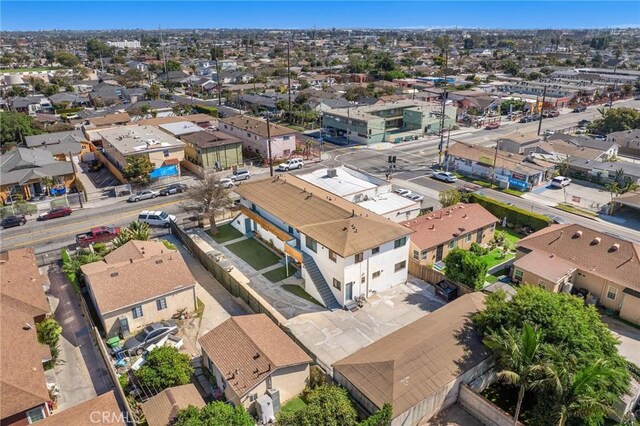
(212, 111)
(515, 215)
(73, 279)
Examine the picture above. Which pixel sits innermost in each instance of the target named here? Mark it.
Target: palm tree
(518, 356)
(135, 231)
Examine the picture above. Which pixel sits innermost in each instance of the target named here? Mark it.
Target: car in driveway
(415, 197)
(156, 218)
(445, 177)
(176, 188)
(55, 213)
(240, 174)
(147, 194)
(403, 192)
(290, 164)
(560, 182)
(225, 183)
(152, 333)
(11, 221)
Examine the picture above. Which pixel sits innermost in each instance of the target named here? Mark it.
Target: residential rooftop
(138, 139)
(180, 128)
(256, 126)
(210, 139)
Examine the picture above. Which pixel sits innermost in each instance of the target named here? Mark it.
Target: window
(612, 292)
(542, 283)
(375, 250)
(467, 238)
(337, 284)
(161, 303)
(137, 311)
(518, 274)
(332, 256)
(400, 265)
(311, 244)
(359, 257)
(416, 255)
(362, 279)
(452, 243)
(35, 415)
(248, 134)
(285, 138)
(376, 274)
(165, 152)
(399, 243)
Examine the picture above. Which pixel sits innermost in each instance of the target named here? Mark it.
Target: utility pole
(493, 169)
(544, 97)
(269, 146)
(444, 104)
(446, 151)
(219, 85)
(75, 177)
(289, 76)
(164, 56)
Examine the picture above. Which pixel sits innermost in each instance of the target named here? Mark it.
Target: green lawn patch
(225, 233)
(254, 253)
(576, 210)
(494, 257)
(510, 234)
(299, 291)
(492, 278)
(512, 192)
(294, 405)
(279, 274)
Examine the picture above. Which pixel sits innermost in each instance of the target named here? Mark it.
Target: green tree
(393, 75)
(466, 268)
(153, 92)
(615, 120)
(380, 418)
(208, 197)
(450, 197)
(17, 91)
(67, 59)
(173, 66)
(15, 126)
(214, 413)
(519, 359)
(165, 368)
(326, 405)
(97, 48)
(136, 230)
(48, 332)
(511, 67)
(137, 169)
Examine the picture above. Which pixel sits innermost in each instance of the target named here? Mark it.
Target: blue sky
(73, 15)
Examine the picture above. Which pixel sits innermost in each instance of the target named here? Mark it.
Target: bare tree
(209, 198)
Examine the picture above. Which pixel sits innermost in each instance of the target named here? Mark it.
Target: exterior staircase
(328, 299)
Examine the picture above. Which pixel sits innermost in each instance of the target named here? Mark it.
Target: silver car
(152, 333)
(142, 195)
(445, 176)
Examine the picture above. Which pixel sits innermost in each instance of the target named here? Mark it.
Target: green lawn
(492, 278)
(299, 291)
(294, 405)
(575, 210)
(510, 234)
(225, 233)
(279, 274)
(254, 253)
(494, 257)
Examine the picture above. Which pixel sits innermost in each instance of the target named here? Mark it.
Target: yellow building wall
(157, 158)
(460, 242)
(630, 310)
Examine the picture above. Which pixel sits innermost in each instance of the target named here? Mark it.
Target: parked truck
(101, 234)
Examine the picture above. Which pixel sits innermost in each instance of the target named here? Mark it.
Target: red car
(56, 212)
(492, 126)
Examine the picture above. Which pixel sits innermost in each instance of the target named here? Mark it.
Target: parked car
(226, 183)
(240, 174)
(152, 333)
(551, 114)
(403, 192)
(556, 219)
(600, 137)
(560, 182)
(637, 97)
(56, 212)
(176, 188)
(100, 234)
(95, 166)
(469, 187)
(445, 176)
(11, 221)
(415, 197)
(156, 218)
(609, 104)
(549, 132)
(446, 290)
(525, 119)
(535, 117)
(583, 123)
(142, 195)
(580, 108)
(492, 126)
(290, 164)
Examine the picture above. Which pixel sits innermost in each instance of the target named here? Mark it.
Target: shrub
(514, 215)
(100, 249)
(466, 268)
(165, 368)
(212, 111)
(478, 250)
(169, 245)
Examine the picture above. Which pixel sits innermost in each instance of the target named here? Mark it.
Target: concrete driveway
(589, 196)
(332, 336)
(629, 339)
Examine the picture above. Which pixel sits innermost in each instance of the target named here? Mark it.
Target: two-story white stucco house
(254, 136)
(343, 250)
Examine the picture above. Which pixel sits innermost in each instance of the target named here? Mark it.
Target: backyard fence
(433, 277)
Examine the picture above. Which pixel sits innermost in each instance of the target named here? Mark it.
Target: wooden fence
(433, 277)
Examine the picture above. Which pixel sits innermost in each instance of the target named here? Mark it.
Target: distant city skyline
(80, 15)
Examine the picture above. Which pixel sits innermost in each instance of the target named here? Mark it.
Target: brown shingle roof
(162, 409)
(118, 285)
(418, 360)
(338, 224)
(505, 160)
(257, 126)
(247, 349)
(210, 139)
(443, 225)
(619, 264)
(21, 282)
(545, 265)
(109, 119)
(88, 412)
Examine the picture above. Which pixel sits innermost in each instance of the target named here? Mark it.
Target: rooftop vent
(159, 261)
(578, 234)
(615, 247)
(464, 216)
(596, 241)
(114, 274)
(432, 227)
(331, 173)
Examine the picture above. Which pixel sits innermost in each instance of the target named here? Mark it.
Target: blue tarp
(165, 171)
(58, 191)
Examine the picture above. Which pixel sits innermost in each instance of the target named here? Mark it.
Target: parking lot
(578, 193)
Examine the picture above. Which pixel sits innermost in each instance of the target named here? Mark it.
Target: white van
(560, 181)
(156, 218)
(290, 164)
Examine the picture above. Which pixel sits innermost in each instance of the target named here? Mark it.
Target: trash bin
(113, 342)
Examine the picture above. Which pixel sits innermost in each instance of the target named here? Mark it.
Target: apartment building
(254, 135)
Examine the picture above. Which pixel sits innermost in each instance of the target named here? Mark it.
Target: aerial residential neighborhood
(320, 213)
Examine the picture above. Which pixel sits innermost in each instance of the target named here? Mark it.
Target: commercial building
(343, 250)
(254, 135)
(567, 257)
(390, 122)
(125, 44)
(139, 283)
